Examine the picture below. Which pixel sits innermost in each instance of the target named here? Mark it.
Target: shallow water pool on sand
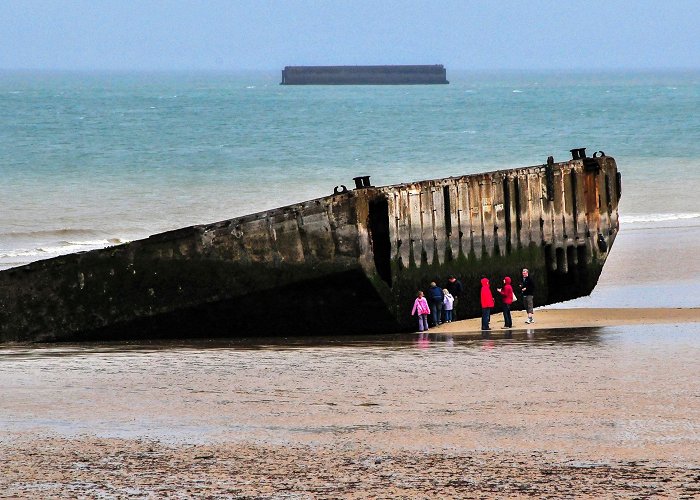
(628, 392)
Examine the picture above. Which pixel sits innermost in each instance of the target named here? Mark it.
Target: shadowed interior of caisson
(317, 305)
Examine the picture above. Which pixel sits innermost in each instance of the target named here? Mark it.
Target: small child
(448, 302)
(420, 307)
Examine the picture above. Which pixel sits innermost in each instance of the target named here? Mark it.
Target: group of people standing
(440, 303)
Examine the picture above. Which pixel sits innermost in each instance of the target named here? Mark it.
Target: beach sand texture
(589, 412)
(112, 468)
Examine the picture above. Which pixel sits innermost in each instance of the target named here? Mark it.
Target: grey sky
(264, 34)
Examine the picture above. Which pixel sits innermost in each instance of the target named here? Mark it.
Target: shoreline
(554, 319)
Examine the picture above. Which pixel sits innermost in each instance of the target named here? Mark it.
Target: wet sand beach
(585, 412)
(546, 318)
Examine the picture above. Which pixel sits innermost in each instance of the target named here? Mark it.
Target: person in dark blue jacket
(454, 286)
(436, 298)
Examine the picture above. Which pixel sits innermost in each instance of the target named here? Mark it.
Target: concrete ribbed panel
(452, 239)
(416, 217)
(476, 216)
(427, 231)
(569, 226)
(255, 238)
(547, 214)
(395, 222)
(487, 212)
(531, 202)
(438, 224)
(225, 243)
(605, 219)
(592, 203)
(464, 226)
(525, 235)
(557, 207)
(316, 236)
(581, 222)
(499, 214)
(403, 225)
(287, 239)
(510, 212)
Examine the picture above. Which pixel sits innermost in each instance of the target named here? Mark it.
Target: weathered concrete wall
(494, 224)
(258, 255)
(347, 263)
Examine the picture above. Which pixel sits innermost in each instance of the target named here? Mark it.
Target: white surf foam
(657, 217)
(45, 251)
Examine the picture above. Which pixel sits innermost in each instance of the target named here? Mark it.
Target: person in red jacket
(486, 304)
(507, 296)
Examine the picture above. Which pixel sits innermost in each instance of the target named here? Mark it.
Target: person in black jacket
(454, 286)
(436, 298)
(528, 288)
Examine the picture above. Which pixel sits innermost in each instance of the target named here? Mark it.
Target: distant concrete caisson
(365, 75)
(347, 263)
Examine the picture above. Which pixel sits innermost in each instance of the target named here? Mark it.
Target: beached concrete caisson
(348, 263)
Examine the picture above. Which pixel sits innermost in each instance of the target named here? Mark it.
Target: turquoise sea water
(94, 159)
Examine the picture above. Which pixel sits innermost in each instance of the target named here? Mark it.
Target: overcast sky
(267, 35)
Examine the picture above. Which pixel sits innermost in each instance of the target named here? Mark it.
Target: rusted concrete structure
(365, 75)
(347, 263)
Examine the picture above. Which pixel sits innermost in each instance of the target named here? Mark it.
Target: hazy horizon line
(601, 70)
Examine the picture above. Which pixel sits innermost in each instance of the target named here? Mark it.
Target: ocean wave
(57, 233)
(19, 253)
(110, 241)
(659, 217)
(60, 248)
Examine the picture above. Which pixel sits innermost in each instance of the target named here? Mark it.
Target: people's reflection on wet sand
(423, 341)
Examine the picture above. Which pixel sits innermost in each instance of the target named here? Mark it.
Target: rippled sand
(594, 411)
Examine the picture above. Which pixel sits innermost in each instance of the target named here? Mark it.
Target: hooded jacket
(449, 301)
(420, 306)
(507, 291)
(486, 296)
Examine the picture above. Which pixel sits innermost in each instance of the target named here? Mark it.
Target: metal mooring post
(362, 181)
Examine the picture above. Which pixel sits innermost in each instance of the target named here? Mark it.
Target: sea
(89, 160)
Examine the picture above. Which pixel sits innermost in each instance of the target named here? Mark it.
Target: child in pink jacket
(420, 307)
